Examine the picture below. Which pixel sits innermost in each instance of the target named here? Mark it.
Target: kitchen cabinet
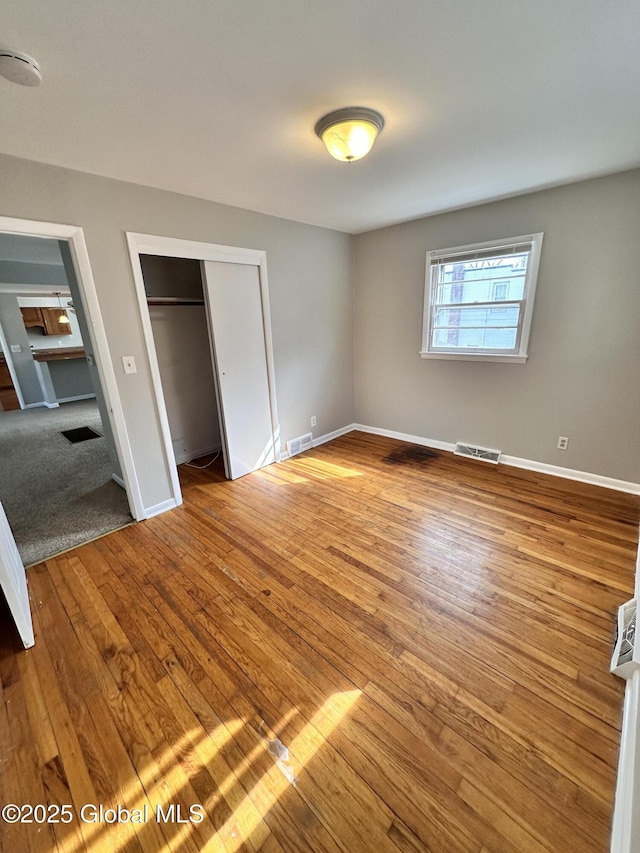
(32, 317)
(8, 397)
(48, 319)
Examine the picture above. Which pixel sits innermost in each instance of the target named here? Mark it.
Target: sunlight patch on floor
(306, 469)
(302, 749)
(164, 778)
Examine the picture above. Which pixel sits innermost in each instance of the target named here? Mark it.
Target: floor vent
(626, 652)
(485, 454)
(300, 443)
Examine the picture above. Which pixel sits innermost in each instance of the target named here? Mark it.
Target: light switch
(129, 364)
(16, 348)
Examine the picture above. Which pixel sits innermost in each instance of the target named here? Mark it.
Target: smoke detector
(19, 68)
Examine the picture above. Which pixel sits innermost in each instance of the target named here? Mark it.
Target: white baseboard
(196, 454)
(513, 461)
(572, 474)
(119, 481)
(158, 509)
(405, 436)
(625, 837)
(329, 436)
(41, 405)
(79, 397)
(56, 405)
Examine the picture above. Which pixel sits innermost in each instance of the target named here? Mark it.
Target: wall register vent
(299, 444)
(485, 454)
(626, 651)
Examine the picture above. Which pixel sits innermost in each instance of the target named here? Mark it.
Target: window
(500, 291)
(478, 300)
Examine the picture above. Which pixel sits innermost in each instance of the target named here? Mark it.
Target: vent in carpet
(80, 434)
(485, 454)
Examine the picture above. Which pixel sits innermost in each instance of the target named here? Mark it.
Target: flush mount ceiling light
(349, 133)
(19, 68)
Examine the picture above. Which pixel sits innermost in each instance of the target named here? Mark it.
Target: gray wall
(310, 286)
(15, 333)
(70, 378)
(181, 338)
(13, 272)
(581, 379)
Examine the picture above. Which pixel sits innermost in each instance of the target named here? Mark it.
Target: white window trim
(519, 357)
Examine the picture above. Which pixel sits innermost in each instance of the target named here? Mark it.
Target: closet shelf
(172, 300)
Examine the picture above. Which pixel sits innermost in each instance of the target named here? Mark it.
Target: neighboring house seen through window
(479, 300)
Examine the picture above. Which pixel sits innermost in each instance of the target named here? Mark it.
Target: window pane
(505, 315)
(500, 291)
(484, 290)
(487, 280)
(463, 338)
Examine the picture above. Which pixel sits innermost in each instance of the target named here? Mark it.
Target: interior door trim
(74, 236)
(172, 247)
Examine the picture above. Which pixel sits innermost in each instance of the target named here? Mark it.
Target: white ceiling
(218, 98)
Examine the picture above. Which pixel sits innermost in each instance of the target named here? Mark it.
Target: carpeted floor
(57, 495)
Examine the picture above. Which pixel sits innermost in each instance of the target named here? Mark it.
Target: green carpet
(57, 495)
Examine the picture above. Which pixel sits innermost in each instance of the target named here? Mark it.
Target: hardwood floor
(428, 636)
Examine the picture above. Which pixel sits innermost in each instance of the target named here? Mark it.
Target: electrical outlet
(314, 421)
(563, 442)
(16, 348)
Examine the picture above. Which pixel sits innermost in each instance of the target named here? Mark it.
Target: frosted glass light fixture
(63, 317)
(350, 133)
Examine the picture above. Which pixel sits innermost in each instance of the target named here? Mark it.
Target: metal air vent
(300, 443)
(485, 454)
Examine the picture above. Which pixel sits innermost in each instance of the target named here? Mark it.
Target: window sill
(464, 356)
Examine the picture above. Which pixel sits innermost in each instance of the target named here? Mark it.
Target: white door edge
(13, 581)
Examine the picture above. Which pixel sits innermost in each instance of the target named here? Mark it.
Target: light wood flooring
(428, 636)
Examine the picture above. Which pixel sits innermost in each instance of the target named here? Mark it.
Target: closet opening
(175, 299)
(221, 396)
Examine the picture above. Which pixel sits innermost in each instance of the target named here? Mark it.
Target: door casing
(149, 244)
(73, 235)
(16, 588)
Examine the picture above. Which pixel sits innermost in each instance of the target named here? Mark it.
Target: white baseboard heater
(625, 659)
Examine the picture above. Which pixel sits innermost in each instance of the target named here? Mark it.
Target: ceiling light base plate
(19, 68)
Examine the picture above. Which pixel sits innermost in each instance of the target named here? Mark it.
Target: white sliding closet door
(13, 582)
(240, 346)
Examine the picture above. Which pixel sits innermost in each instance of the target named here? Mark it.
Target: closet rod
(171, 300)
